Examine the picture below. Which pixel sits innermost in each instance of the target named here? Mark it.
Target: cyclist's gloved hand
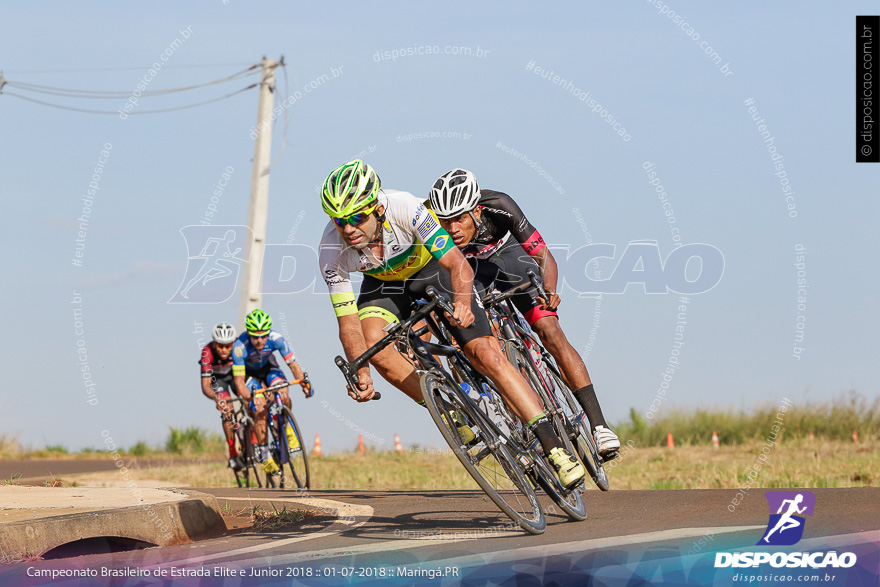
(307, 389)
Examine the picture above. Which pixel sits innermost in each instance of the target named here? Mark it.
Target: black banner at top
(867, 70)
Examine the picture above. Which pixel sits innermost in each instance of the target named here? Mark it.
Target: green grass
(193, 441)
(832, 420)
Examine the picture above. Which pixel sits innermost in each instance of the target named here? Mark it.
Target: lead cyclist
(397, 242)
(492, 232)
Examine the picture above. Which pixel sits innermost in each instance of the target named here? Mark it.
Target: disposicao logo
(785, 528)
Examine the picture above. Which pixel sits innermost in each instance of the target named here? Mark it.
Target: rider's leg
(258, 411)
(390, 364)
(275, 377)
(572, 366)
(485, 354)
(225, 407)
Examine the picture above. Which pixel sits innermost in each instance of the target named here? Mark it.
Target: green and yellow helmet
(349, 189)
(257, 321)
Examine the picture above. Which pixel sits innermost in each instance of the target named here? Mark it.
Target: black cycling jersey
(501, 217)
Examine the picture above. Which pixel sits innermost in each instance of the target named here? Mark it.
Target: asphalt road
(379, 532)
(40, 469)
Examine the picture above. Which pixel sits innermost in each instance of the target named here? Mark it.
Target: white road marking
(489, 557)
(580, 546)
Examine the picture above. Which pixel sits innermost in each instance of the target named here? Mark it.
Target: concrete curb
(197, 516)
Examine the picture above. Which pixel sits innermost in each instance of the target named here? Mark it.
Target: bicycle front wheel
(485, 458)
(297, 459)
(249, 456)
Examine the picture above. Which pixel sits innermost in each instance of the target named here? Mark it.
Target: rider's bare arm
(353, 342)
(352, 337)
(207, 389)
(548, 268)
(240, 387)
(550, 273)
(462, 284)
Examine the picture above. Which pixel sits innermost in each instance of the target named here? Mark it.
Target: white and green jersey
(411, 236)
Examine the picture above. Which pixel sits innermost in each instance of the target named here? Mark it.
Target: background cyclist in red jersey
(217, 382)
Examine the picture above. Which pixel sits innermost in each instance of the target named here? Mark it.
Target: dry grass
(800, 463)
(795, 463)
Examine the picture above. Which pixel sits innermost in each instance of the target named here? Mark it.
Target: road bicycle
(525, 351)
(246, 441)
(295, 456)
(485, 441)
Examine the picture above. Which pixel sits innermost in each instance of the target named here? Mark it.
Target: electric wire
(101, 94)
(62, 107)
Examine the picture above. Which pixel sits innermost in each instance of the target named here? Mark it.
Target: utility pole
(258, 211)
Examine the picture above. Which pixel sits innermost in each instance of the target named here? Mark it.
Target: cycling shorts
(267, 375)
(223, 386)
(508, 268)
(393, 300)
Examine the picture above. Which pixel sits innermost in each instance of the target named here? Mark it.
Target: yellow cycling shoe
(467, 435)
(270, 466)
(292, 440)
(569, 470)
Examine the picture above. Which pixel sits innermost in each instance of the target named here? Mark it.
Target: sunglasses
(355, 219)
(258, 335)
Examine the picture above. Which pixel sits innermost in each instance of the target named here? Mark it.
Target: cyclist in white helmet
(492, 231)
(217, 382)
(395, 240)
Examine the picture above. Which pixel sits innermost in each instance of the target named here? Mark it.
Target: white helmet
(454, 193)
(224, 333)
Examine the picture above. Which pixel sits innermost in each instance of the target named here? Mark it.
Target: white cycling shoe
(607, 442)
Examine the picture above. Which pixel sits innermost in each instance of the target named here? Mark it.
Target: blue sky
(681, 112)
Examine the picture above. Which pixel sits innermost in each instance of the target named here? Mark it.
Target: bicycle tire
(585, 444)
(572, 503)
(250, 457)
(297, 462)
(505, 495)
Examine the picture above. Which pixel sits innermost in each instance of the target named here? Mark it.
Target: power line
(130, 113)
(102, 94)
(35, 71)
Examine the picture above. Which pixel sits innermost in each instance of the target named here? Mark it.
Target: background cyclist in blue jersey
(254, 366)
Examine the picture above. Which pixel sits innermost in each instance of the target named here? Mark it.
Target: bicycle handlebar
(494, 299)
(349, 369)
(277, 386)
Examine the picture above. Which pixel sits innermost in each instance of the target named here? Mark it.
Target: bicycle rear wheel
(576, 421)
(297, 460)
(569, 500)
(486, 459)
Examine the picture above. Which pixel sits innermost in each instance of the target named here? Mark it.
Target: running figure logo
(212, 274)
(786, 526)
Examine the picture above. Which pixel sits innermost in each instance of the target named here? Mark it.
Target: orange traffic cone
(715, 439)
(856, 436)
(397, 446)
(317, 452)
(361, 448)
(669, 442)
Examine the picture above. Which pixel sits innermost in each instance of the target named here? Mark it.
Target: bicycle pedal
(610, 456)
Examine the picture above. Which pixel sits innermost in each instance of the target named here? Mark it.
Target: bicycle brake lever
(442, 300)
(539, 286)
